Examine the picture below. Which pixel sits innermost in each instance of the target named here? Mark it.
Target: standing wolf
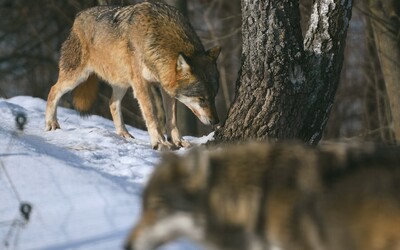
(143, 46)
(264, 196)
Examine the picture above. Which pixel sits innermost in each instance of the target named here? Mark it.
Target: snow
(83, 181)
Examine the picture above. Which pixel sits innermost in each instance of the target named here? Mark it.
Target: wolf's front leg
(172, 129)
(146, 101)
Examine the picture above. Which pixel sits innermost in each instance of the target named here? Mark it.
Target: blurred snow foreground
(75, 188)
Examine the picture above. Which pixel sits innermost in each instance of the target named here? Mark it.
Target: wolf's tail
(85, 95)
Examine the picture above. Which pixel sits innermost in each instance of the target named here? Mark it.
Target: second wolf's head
(170, 200)
(198, 83)
(203, 196)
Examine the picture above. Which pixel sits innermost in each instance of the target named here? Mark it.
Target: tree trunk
(283, 90)
(266, 96)
(385, 19)
(377, 109)
(324, 45)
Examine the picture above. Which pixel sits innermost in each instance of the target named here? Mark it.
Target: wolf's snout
(214, 115)
(208, 120)
(214, 120)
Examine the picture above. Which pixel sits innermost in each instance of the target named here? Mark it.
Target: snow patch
(83, 181)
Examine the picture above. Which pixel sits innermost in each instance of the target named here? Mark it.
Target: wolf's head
(172, 202)
(198, 82)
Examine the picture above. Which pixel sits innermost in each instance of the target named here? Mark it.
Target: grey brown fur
(275, 196)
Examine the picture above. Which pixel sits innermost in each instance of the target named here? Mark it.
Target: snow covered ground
(84, 182)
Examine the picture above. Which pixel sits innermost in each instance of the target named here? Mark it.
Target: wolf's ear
(181, 64)
(214, 52)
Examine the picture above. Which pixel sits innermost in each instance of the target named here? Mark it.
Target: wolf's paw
(52, 125)
(163, 146)
(181, 143)
(125, 134)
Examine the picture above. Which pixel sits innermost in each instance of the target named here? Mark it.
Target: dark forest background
(31, 34)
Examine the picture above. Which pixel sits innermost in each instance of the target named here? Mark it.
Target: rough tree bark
(286, 85)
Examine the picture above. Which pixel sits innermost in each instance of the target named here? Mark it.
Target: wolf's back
(155, 26)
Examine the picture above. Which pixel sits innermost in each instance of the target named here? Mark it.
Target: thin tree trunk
(324, 45)
(376, 100)
(385, 19)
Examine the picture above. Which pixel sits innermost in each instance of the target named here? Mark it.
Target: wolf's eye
(202, 102)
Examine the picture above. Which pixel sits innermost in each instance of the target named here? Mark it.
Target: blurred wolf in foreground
(143, 46)
(266, 196)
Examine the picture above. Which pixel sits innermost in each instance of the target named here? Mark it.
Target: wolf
(284, 196)
(146, 46)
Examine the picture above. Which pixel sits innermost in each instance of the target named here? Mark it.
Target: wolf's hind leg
(73, 72)
(66, 82)
(116, 113)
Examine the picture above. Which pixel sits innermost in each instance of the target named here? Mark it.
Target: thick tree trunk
(270, 79)
(284, 92)
(385, 19)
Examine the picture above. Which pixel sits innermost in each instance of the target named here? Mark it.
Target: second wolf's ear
(181, 64)
(214, 52)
